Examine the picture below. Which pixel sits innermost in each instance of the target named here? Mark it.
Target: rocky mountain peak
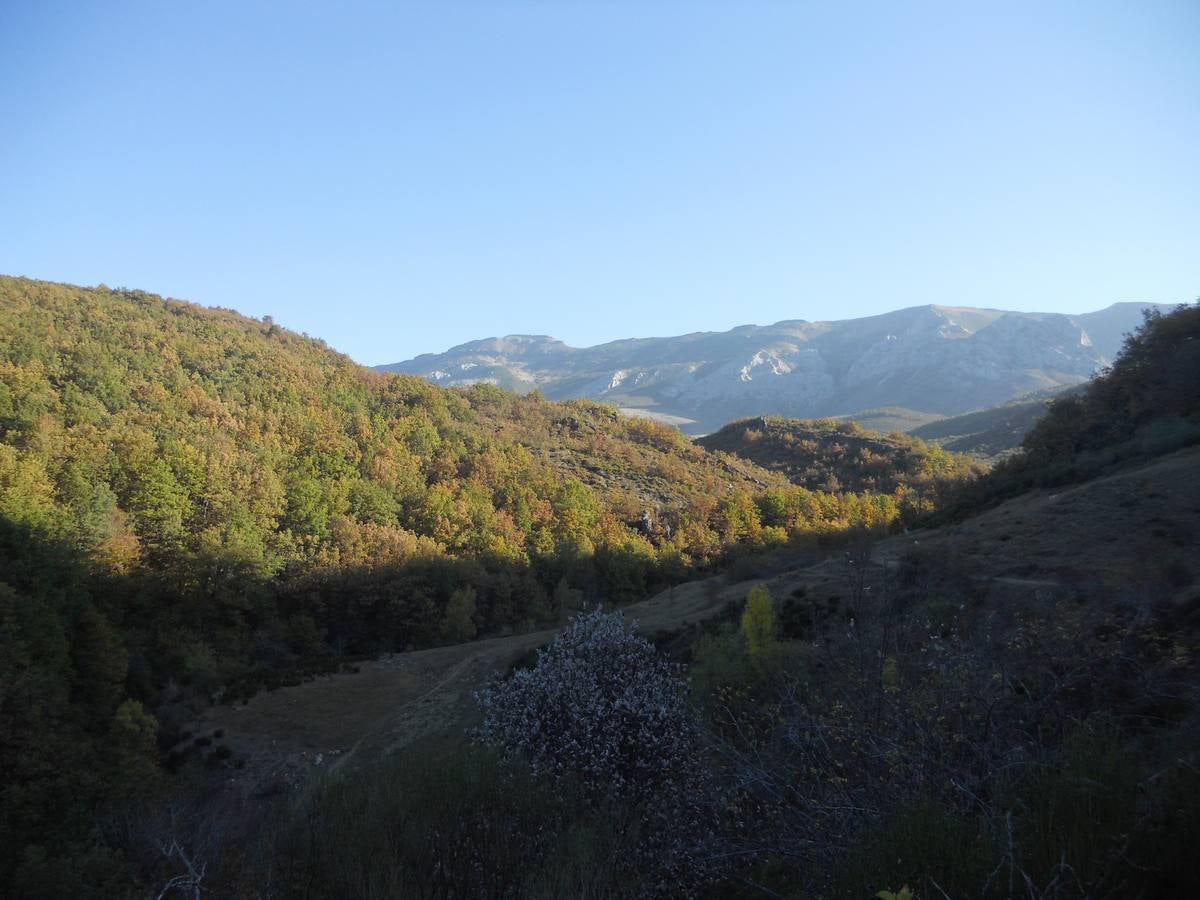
(933, 360)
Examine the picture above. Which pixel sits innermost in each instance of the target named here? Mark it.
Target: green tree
(758, 623)
(307, 512)
(134, 773)
(577, 512)
(740, 517)
(773, 507)
(160, 505)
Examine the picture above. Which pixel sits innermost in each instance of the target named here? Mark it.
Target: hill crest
(935, 360)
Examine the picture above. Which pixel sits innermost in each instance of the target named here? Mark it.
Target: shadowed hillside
(1024, 674)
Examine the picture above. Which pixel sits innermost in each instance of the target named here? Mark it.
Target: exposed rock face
(934, 359)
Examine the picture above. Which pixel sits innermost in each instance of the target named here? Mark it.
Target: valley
(246, 582)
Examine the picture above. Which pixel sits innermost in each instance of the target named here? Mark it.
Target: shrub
(923, 846)
(600, 702)
(446, 821)
(1178, 575)
(603, 708)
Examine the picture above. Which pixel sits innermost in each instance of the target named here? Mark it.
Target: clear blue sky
(400, 178)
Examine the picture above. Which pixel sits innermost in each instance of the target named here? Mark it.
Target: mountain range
(923, 363)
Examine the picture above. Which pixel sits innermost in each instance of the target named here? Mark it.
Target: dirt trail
(341, 721)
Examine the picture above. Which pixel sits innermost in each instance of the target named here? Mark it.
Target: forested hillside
(218, 451)
(194, 503)
(833, 455)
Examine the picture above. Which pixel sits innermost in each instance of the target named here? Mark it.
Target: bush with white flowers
(601, 704)
(602, 707)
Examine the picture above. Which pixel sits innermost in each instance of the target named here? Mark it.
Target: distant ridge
(991, 434)
(824, 454)
(927, 361)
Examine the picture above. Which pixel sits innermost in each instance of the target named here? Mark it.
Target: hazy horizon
(641, 337)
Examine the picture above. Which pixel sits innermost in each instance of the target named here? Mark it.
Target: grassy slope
(989, 434)
(396, 700)
(887, 419)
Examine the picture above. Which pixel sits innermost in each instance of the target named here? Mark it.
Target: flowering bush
(603, 707)
(600, 703)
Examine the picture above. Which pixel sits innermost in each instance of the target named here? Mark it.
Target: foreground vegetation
(1040, 749)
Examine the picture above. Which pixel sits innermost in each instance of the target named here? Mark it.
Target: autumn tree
(758, 624)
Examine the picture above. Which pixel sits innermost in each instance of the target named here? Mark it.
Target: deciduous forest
(196, 506)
